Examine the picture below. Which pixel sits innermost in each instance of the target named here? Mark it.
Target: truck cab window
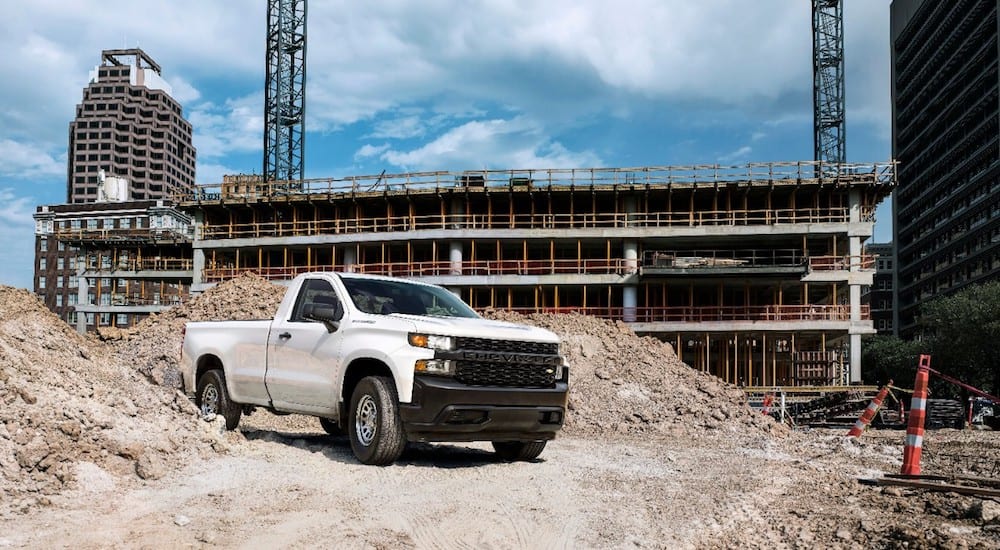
(313, 292)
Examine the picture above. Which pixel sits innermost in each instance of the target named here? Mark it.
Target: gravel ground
(654, 454)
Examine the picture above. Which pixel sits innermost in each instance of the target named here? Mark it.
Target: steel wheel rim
(210, 400)
(366, 420)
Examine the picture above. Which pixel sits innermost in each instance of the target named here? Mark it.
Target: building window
(59, 281)
(43, 244)
(90, 318)
(71, 318)
(60, 263)
(41, 282)
(105, 319)
(74, 282)
(72, 299)
(41, 264)
(121, 320)
(59, 300)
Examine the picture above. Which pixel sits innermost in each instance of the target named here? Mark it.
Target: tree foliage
(890, 358)
(964, 335)
(961, 332)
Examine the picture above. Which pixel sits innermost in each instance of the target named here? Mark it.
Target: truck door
(303, 357)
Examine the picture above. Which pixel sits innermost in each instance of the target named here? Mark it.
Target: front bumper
(445, 410)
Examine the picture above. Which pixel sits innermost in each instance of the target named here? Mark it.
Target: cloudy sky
(447, 85)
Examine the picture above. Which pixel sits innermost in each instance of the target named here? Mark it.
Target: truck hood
(478, 328)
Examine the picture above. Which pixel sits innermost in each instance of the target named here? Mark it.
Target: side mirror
(328, 314)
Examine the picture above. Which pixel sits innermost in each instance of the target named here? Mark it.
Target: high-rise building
(879, 295)
(115, 252)
(946, 118)
(129, 126)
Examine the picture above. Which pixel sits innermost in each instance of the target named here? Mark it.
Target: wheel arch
(206, 363)
(358, 369)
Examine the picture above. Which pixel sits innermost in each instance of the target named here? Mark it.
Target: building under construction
(754, 273)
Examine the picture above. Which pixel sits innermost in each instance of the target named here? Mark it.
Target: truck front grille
(507, 375)
(509, 346)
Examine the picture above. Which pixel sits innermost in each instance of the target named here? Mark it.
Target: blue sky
(447, 85)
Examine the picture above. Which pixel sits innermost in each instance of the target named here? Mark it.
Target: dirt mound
(71, 416)
(621, 382)
(153, 346)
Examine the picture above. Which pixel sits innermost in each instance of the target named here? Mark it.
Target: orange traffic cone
(918, 411)
(869, 413)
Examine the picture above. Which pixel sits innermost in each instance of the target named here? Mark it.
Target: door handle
(284, 335)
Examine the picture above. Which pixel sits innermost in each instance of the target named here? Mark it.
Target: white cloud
(183, 91)
(741, 154)
(235, 126)
(28, 160)
(17, 229)
(398, 128)
(497, 143)
(368, 150)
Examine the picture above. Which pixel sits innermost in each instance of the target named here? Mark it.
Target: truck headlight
(434, 366)
(431, 341)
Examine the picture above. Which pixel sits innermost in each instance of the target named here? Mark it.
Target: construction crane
(828, 81)
(285, 92)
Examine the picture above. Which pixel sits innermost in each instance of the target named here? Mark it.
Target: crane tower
(285, 91)
(828, 81)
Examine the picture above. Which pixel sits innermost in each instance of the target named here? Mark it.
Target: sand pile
(71, 416)
(154, 345)
(623, 383)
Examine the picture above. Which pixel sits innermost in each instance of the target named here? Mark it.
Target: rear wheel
(374, 427)
(518, 450)
(331, 427)
(212, 398)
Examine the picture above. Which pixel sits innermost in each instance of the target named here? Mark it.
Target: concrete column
(855, 296)
(631, 254)
(350, 258)
(455, 246)
(855, 210)
(629, 303)
(455, 257)
(855, 352)
(81, 295)
(197, 277)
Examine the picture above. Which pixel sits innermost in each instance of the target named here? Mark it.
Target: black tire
(518, 450)
(213, 398)
(373, 423)
(330, 426)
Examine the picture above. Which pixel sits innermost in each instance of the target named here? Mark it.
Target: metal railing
(761, 173)
(841, 263)
(464, 222)
(120, 234)
(437, 268)
(694, 314)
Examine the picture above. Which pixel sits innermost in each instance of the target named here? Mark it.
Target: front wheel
(374, 427)
(518, 450)
(212, 398)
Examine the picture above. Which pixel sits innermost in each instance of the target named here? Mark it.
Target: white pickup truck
(388, 361)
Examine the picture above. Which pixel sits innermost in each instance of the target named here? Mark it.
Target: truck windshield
(382, 297)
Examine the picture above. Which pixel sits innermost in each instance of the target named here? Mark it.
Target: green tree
(889, 358)
(963, 331)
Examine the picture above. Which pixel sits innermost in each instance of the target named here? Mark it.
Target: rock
(150, 466)
(892, 491)
(987, 511)
(181, 520)
(843, 534)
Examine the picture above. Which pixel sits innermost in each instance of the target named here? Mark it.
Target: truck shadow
(338, 448)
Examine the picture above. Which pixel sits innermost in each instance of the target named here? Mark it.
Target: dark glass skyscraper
(946, 207)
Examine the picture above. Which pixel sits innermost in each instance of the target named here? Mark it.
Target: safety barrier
(918, 411)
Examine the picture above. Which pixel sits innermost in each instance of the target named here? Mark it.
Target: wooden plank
(940, 487)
